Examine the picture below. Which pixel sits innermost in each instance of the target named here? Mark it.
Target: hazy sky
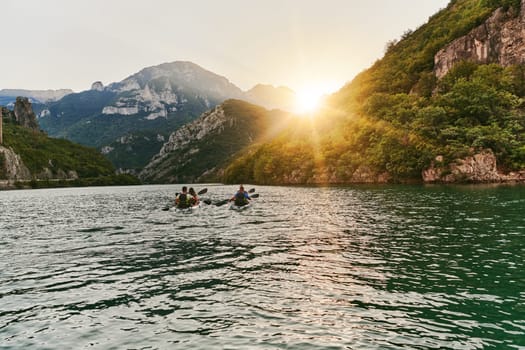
(51, 44)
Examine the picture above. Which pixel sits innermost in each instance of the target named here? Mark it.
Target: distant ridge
(42, 96)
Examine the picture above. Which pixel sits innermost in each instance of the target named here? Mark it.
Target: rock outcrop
(12, 166)
(481, 167)
(24, 114)
(501, 39)
(97, 86)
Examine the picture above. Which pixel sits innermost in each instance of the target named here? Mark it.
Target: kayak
(187, 210)
(240, 207)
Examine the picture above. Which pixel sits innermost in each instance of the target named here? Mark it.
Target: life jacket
(240, 200)
(184, 201)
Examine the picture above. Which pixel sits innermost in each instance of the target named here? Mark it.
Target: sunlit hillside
(394, 119)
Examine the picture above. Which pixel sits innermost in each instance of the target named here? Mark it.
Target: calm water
(304, 268)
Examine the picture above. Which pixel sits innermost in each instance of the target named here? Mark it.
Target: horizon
(277, 43)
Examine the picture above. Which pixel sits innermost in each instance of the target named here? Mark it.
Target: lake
(361, 267)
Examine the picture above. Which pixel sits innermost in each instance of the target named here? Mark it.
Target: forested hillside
(397, 118)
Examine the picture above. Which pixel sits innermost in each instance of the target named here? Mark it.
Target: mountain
(130, 119)
(200, 150)
(272, 97)
(444, 104)
(29, 157)
(8, 96)
(38, 98)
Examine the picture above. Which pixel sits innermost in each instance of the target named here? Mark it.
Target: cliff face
(13, 167)
(28, 154)
(199, 150)
(481, 167)
(501, 39)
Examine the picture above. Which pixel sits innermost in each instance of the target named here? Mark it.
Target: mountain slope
(271, 97)
(399, 118)
(29, 155)
(199, 150)
(156, 100)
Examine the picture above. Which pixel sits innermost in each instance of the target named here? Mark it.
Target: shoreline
(11, 185)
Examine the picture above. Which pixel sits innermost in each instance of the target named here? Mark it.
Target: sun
(311, 96)
(308, 100)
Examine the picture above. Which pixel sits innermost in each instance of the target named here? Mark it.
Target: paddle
(203, 191)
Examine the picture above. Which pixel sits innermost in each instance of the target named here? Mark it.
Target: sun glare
(309, 99)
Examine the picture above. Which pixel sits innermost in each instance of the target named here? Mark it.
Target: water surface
(362, 267)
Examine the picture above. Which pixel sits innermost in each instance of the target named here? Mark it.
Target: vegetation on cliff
(199, 150)
(393, 119)
(55, 162)
(39, 151)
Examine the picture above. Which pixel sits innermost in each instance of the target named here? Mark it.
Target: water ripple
(380, 267)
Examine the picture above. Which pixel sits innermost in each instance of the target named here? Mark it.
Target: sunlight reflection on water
(305, 268)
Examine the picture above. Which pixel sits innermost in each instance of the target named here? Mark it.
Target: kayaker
(241, 197)
(194, 199)
(183, 199)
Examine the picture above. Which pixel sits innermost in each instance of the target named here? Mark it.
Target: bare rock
(13, 166)
(481, 167)
(24, 114)
(500, 39)
(97, 86)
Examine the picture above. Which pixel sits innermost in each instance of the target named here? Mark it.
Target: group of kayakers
(186, 199)
(189, 198)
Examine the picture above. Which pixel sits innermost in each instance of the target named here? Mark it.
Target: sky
(302, 44)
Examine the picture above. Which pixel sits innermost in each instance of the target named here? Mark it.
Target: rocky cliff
(11, 166)
(199, 150)
(28, 154)
(481, 167)
(500, 39)
(24, 114)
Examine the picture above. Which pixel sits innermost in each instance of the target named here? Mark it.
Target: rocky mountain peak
(97, 86)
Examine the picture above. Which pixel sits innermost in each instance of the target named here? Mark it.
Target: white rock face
(44, 113)
(128, 85)
(120, 110)
(147, 100)
(162, 113)
(106, 149)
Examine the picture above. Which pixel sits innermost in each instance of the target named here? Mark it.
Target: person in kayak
(183, 199)
(194, 199)
(241, 197)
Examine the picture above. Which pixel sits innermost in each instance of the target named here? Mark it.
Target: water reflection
(358, 267)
